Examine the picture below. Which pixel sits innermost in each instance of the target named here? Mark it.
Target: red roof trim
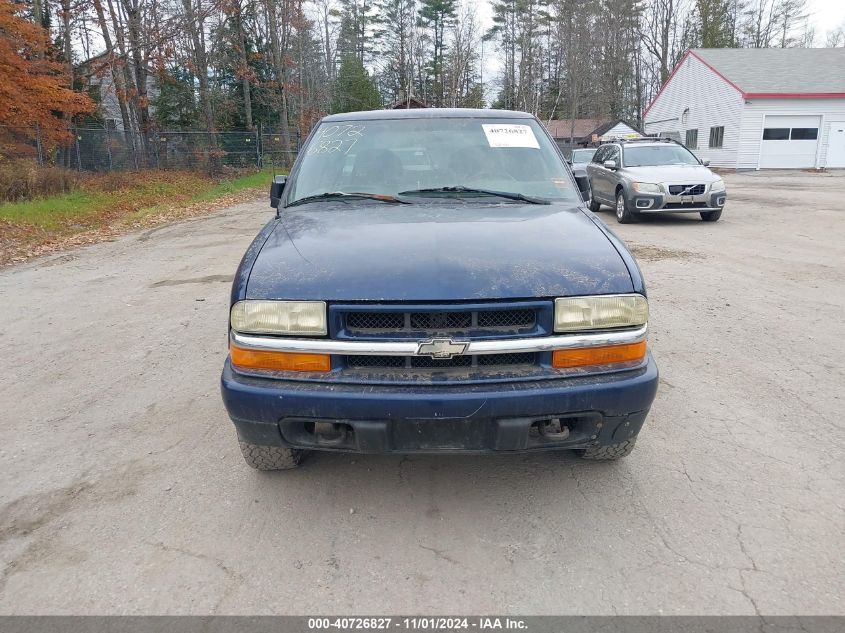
(794, 95)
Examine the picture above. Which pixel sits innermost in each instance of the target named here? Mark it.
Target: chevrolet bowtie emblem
(444, 348)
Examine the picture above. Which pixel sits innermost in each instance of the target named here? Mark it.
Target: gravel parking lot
(123, 490)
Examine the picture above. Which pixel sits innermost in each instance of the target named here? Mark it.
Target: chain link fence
(105, 149)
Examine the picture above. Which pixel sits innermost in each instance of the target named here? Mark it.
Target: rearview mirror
(609, 164)
(705, 162)
(276, 189)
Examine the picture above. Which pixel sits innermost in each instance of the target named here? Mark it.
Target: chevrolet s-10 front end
(432, 282)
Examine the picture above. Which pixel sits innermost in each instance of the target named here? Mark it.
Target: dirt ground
(123, 490)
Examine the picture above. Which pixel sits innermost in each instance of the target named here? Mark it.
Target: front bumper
(666, 203)
(596, 410)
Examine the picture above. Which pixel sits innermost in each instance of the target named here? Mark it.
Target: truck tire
(711, 216)
(270, 457)
(608, 452)
(624, 215)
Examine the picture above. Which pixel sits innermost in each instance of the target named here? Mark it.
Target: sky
(826, 15)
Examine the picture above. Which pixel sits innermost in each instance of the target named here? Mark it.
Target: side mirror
(609, 164)
(583, 182)
(706, 162)
(276, 189)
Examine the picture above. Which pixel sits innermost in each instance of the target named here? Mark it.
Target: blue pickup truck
(433, 282)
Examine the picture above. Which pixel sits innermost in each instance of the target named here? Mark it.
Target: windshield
(393, 156)
(655, 155)
(582, 155)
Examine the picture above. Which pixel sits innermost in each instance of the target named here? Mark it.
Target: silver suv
(653, 175)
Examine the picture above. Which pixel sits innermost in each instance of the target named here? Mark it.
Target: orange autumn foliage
(34, 88)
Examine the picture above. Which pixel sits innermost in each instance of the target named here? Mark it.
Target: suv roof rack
(641, 139)
(648, 139)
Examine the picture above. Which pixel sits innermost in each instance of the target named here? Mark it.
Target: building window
(804, 133)
(786, 134)
(692, 139)
(776, 134)
(717, 135)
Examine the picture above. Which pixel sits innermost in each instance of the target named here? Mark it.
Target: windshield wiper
(487, 192)
(330, 195)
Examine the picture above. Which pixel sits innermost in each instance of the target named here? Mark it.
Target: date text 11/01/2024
(417, 623)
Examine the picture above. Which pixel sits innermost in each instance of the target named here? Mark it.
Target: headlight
(600, 312)
(717, 186)
(280, 317)
(646, 187)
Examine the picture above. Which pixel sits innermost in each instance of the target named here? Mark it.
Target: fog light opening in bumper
(720, 201)
(330, 433)
(551, 429)
(645, 204)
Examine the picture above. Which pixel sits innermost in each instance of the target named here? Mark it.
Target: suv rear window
(582, 155)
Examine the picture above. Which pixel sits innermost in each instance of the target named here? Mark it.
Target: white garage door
(789, 141)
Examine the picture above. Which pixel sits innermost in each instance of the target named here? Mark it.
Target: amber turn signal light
(278, 361)
(582, 357)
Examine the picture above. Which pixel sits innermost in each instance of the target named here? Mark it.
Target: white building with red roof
(756, 108)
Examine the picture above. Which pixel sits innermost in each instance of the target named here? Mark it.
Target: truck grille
(418, 322)
(425, 362)
(694, 190)
(439, 322)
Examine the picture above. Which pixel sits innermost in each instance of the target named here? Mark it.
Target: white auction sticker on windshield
(510, 135)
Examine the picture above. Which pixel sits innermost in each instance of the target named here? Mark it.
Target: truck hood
(435, 252)
(674, 174)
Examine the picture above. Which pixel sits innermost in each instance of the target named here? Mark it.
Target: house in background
(97, 77)
(406, 103)
(570, 134)
(756, 108)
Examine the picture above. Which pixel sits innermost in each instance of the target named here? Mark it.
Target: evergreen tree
(354, 90)
(437, 15)
(715, 23)
(356, 29)
(175, 105)
(396, 37)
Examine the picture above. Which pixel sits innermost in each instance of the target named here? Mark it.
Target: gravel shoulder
(124, 492)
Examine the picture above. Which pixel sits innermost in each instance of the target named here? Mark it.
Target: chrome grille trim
(686, 190)
(409, 348)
